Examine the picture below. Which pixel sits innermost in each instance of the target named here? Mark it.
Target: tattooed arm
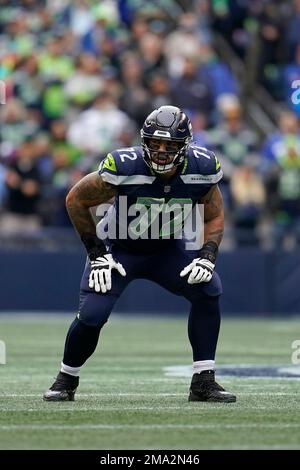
(201, 268)
(88, 192)
(213, 216)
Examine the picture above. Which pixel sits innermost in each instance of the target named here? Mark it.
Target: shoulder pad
(202, 161)
(122, 166)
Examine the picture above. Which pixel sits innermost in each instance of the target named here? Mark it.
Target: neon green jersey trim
(109, 163)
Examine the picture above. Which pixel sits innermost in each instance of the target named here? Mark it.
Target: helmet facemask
(163, 161)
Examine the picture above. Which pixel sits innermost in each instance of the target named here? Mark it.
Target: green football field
(133, 391)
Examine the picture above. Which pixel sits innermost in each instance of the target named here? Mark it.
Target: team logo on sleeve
(108, 163)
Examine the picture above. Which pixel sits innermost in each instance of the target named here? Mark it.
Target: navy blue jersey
(126, 169)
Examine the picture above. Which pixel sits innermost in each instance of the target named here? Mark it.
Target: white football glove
(100, 276)
(200, 269)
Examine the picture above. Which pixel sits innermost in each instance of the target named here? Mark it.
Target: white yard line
(147, 395)
(117, 409)
(103, 394)
(13, 427)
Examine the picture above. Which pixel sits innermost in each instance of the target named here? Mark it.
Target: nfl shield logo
(167, 189)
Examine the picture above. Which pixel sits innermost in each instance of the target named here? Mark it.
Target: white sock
(70, 370)
(200, 366)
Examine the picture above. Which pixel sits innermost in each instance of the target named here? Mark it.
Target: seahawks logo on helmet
(170, 124)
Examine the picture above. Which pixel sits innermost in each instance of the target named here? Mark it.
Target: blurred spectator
(23, 190)
(271, 29)
(183, 43)
(139, 27)
(281, 170)
(81, 17)
(54, 64)
(229, 18)
(16, 126)
(28, 83)
(151, 53)
(135, 99)
(54, 103)
(192, 90)
(59, 143)
(248, 195)
(232, 137)
(159, 91)
(86, 81)
(233, 140)
(101, 128)
(220, 76)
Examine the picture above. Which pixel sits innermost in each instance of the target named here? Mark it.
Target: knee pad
(214, 287)
(90, 322)
(204, 289)
(94, 309)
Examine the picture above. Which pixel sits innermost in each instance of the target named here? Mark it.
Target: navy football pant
(163, 268)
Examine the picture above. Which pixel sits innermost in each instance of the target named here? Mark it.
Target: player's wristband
(209, 251)
(94, 246)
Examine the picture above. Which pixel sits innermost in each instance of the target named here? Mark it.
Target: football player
(167, 168)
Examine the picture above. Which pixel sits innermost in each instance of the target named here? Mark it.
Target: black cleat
(63, 389)
(205, 388)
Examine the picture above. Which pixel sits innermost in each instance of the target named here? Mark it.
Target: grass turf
(125, 399)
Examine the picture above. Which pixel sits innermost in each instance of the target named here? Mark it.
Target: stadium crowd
(81, 76)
